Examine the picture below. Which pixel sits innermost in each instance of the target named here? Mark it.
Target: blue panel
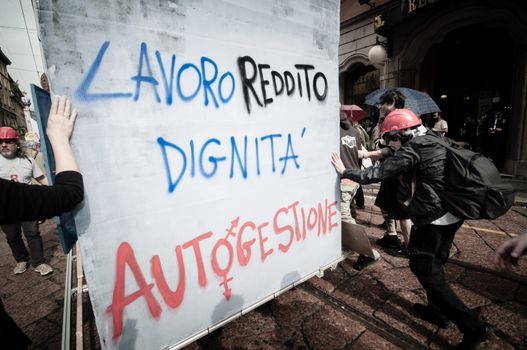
(65, 222)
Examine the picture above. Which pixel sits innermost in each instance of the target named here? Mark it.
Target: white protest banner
(204, 135)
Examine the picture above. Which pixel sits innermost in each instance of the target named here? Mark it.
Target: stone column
(516, 161)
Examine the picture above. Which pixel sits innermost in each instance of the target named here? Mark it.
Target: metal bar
(188, 340)
(259, 303)
(224, 322)
(80, 274)
(66, 314)
(83, 290)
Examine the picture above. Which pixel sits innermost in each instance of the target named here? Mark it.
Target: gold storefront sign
(415, 4)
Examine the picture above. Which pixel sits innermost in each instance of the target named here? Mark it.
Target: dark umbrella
(417, 101)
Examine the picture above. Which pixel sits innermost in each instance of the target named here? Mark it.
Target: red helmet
(400, 119)
(7, 133)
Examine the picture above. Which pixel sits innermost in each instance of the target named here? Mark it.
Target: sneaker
(389, 241)
(364, 261)
(429, 315)
(44, 269)
(20, 267)
(400, 252)
(472, 339)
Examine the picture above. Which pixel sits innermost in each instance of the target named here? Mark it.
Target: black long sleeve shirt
(21, 202)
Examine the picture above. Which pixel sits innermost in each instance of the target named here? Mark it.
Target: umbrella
(417, 101)
(354, 112)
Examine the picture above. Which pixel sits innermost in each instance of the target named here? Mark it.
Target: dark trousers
(359, 197)
(13, 234)
(429, 250)
(11, 336)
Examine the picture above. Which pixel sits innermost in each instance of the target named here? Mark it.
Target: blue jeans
(429, 250)
(13, 234)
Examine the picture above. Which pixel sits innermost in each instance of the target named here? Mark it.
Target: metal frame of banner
(66, 312)
(69, 292)
(80, 289)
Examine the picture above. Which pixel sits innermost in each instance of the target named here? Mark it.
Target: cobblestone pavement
(35, 302)
(345, 309)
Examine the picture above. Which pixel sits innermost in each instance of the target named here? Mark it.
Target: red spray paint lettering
(291, 223)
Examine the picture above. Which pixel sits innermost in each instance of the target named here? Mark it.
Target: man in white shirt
(17, 167)
(440, 125)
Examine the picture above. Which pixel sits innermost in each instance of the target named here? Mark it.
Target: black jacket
(22, 202)
(425, 158)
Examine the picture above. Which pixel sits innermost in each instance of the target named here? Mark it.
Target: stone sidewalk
(345, 309)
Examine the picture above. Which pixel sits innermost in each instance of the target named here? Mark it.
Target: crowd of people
(411, 169)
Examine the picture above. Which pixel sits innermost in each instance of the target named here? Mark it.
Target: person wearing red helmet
(16, 166)
(423, 159)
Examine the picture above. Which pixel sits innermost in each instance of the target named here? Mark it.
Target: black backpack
(475, 189)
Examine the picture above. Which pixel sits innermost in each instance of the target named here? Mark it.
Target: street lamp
(379, 53)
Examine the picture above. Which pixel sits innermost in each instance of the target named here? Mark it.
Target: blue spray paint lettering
(271, 144)
(207, 82)
(234, 153)
(169, 84)
(140, 78)
(82, 91)
(215, 91)
(234, 149)
(213, 160)
(289, 154)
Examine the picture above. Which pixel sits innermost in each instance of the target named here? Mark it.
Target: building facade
(11, 99)
(470, 56)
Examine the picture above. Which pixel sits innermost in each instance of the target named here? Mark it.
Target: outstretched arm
(508, 253)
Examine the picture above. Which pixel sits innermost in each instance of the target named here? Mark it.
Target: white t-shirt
(19, 169)
(447, 219)
(441, 125)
